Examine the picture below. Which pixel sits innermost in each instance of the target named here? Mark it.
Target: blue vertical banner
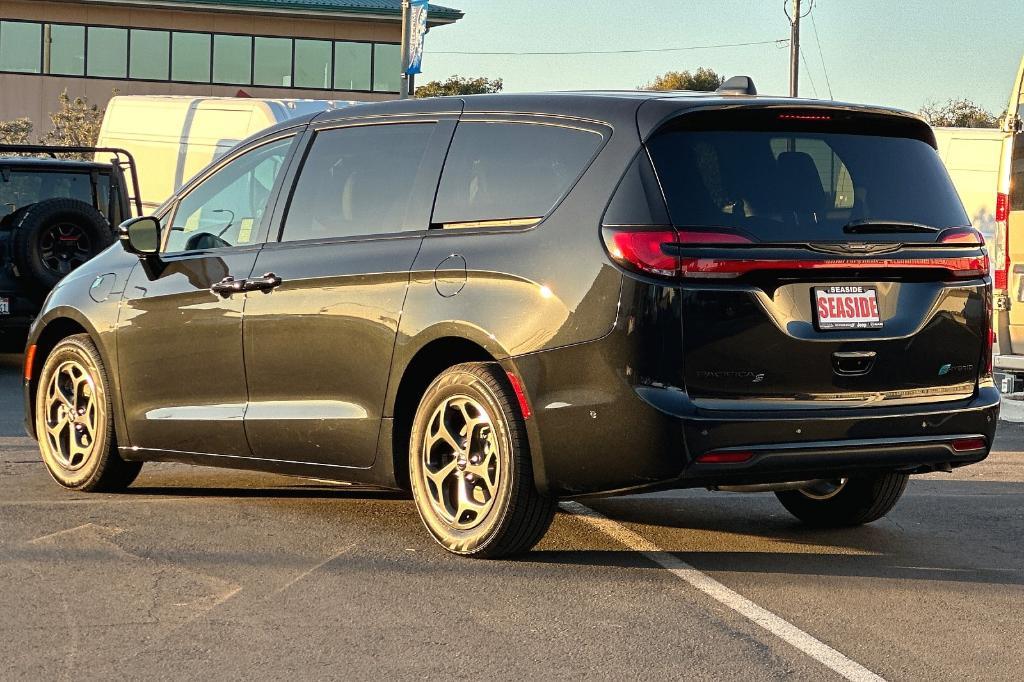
(418, 24)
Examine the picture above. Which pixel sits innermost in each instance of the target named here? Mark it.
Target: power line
(780, 42)
(821, 56)
(809, 76)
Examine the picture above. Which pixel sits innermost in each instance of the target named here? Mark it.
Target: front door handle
(227, 286)
(266, 283)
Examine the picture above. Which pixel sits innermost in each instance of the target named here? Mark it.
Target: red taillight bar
(642, 250)
(968, 266)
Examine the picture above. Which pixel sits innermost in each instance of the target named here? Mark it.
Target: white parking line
(779, 627)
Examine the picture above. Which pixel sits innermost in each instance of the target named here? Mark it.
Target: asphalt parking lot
(201, 573)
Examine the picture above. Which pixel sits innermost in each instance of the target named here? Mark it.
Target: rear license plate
(5, 305)
(847, 307)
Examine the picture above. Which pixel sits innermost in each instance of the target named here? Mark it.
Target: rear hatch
(824, 256)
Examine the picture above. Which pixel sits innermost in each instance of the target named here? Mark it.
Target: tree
(958, 113)
(460, 85)
(701, 80)
(16, 131)
(76, 123)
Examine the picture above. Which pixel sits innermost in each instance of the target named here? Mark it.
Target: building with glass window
(318, 49)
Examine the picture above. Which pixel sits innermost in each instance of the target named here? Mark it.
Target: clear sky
(900, 53)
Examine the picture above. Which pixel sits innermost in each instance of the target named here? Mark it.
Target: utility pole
(794, 49)
(407, 86)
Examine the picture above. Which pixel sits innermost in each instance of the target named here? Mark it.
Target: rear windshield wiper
(886, 227)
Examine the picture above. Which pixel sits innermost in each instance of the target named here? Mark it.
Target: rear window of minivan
(801, 182)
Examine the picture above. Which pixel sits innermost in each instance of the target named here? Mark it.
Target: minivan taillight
(643, 249)
(961, 235)
(1001, 250)
(670, 253)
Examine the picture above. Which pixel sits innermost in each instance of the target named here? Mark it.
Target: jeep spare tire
(55, 236)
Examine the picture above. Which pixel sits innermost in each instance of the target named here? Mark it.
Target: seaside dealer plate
(847, 307)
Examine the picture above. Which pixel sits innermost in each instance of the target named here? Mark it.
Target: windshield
(803, 186)
(30, 187)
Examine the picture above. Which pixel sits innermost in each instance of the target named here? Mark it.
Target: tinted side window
(499, 171)
(226, 208)
(357, 181)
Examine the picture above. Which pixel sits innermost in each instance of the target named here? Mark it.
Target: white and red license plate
(5, 305)
(847, 307)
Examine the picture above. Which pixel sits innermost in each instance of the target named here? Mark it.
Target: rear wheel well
(425, 366)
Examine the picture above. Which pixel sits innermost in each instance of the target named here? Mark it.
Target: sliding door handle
(227, 286)
(266, 283)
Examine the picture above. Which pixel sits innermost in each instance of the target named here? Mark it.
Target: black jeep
(55, 214)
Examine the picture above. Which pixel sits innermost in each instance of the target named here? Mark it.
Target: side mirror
(140, 236)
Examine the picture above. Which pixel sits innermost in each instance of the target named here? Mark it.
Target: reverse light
(725, 457)
(1001, 249)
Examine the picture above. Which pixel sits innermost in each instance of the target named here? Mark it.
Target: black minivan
(500, 301)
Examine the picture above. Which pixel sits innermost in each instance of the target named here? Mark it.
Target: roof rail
(737, 85)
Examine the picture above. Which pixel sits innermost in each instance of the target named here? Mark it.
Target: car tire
(849, 502)
(470, 468)
(74, 420)
(55, 236)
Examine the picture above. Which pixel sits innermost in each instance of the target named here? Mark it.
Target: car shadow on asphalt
(951, 531)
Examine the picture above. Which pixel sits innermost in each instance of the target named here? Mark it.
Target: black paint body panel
(619, 369)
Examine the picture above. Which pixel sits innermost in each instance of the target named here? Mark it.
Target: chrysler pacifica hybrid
(496, 302)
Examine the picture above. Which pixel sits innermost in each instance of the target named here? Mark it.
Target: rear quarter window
(510, 171)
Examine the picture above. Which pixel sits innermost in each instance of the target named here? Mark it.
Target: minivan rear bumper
(600, 427)
(911, 438)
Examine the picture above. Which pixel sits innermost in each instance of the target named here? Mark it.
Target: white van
(1008, 248)
(174, 137)
(971, 155)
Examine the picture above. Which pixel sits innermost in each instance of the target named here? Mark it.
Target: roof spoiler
(737, 85)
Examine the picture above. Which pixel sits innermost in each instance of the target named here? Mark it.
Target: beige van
(971, 155)
(1008, 249)
(174, 137)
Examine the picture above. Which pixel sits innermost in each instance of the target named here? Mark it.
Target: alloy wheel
(461, 463)
(72, 415)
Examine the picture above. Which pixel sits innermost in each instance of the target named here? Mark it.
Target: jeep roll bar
(123, 159)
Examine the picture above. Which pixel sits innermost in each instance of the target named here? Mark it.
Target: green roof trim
(384, 8)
